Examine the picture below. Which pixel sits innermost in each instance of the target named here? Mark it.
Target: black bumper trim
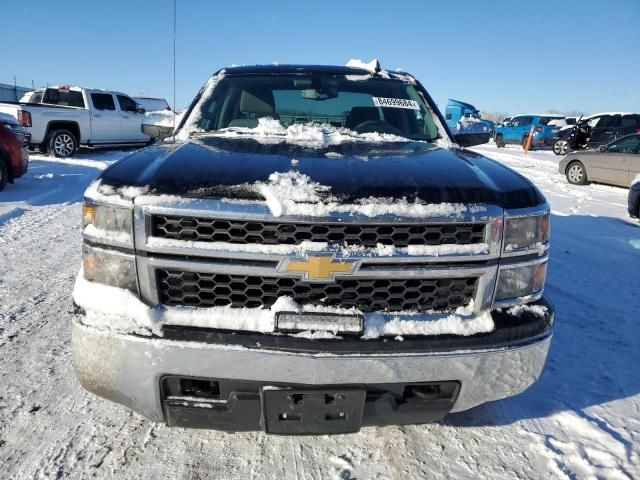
(241, 406)
(511, 330)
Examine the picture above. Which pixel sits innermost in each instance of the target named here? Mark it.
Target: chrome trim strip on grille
(491, 215)
(257, 210)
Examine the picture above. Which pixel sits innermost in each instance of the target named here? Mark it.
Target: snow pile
(120, 311)
(111, 308)
(289, 188)
(305, 247)
(373, 66)
(537, 310)
(444, 250)
(301, 249)
(294, 193)
(461, 322)
(312, 135)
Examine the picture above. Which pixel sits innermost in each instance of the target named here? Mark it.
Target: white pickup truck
(59, 119)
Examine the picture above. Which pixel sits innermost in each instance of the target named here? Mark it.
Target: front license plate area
(300, 412)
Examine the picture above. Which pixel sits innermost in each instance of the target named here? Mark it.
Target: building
(12, 93)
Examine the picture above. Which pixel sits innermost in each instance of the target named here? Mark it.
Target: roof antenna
(174, 71)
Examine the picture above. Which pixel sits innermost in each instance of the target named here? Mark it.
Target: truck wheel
(62, 143)
(576, 173)
(4, 175)
(561, 147)
(499, 141)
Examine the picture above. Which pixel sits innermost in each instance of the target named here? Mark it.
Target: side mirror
(157, 131)
(139, 109)
(603, 148)
(471, 139)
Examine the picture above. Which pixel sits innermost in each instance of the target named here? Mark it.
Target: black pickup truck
(313, 253)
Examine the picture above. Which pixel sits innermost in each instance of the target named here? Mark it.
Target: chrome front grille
(201, 289)
(209, 253)
(238, 231)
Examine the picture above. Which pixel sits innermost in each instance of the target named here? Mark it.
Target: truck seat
(254, 105)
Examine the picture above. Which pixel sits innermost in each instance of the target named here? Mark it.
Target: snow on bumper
(127, 369)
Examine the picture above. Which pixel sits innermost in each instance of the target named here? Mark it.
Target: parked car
(279, 243)
(617, 163)
(634, 198)
(14, 157)
(62, 118)
(596, 130)
(152, 104)
(517, 131)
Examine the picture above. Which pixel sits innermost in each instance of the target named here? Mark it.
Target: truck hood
(218, 167)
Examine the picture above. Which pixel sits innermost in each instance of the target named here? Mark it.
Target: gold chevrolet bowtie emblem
(320, 267)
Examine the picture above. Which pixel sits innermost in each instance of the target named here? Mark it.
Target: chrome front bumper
(127, 369)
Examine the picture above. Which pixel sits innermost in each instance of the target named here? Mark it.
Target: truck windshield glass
(364, 106)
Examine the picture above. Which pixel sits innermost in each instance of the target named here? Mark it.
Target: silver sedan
(617, 163)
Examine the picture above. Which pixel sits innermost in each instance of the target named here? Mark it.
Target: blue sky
(499, 55)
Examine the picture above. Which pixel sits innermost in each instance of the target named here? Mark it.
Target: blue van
(518, 128)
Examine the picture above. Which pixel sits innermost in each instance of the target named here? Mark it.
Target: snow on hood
(294, 193)
(312, 135)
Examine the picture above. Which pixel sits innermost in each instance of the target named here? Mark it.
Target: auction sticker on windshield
(395, 103)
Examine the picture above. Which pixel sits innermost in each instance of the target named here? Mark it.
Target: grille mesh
(274, 233)
(209, 290)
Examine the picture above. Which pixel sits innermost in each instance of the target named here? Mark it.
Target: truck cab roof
(306, 69)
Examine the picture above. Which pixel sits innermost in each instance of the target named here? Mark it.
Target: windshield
(370, 105)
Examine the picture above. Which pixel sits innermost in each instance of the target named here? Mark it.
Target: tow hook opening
(431, 392)
(192, 387)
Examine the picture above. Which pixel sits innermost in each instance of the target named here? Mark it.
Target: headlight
(525, 232)
(109, 267)
(520, 281)
(107, 223)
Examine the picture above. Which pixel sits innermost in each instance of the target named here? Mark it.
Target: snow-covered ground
(581, 420)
